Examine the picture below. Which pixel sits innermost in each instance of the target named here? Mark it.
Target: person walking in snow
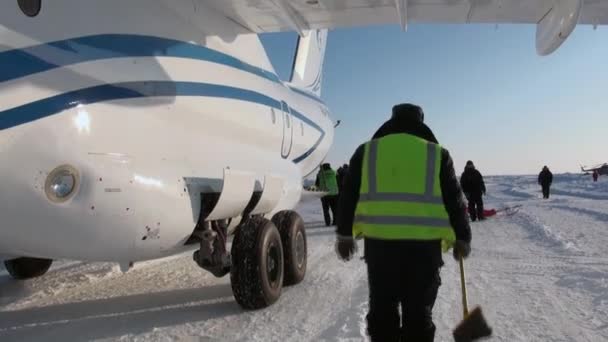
(407, 214)
(474, 188)
(327, 182)
(595, 175)
(545, 178)
(340, 176)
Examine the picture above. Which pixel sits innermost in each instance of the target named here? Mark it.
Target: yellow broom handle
(465, 306)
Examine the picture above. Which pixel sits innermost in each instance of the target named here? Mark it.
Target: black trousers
(476, 207)
(330, 202)
(412, 286)
(546, 190)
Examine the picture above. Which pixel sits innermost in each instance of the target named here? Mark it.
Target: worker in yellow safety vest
(327, 182)
(402, 196)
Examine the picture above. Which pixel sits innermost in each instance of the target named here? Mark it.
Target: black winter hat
(408, 112)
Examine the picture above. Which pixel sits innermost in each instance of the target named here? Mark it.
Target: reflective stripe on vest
(400, 195)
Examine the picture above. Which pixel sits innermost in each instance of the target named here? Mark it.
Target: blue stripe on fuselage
(27, 61)
(126, 90)
(307, 94)
(44, 57)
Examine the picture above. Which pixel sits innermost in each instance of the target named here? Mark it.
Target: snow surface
(540, 275)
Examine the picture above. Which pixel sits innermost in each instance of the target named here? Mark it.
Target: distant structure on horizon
(600, 169)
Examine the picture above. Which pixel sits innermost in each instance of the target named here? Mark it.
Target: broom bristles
(473, 327)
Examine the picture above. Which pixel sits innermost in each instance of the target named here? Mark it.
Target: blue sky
(486, 94)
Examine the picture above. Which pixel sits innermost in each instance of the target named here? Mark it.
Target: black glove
(345, 247)
(461, 248)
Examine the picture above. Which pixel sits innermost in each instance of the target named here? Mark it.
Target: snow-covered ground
(540, 275)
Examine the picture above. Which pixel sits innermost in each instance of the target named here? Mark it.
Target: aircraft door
(287, 130)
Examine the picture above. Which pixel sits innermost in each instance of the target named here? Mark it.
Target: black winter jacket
(471, 182)
(451, 192)
(545, 178)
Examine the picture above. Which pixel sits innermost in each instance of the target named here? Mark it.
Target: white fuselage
(138, 96)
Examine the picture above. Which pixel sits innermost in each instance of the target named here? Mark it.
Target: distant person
(340, 175)
(404, 225)
(595, 175)
(327, 182)
(474, 188)
(545, 178)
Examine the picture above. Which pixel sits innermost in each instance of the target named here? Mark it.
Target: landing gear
(293, 237)
(26, 268)
(266, 255)
(257, 264)
(212, 256)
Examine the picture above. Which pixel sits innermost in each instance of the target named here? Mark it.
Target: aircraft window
(287, 121)
(302, 128)
(273, 116)
(31, 8)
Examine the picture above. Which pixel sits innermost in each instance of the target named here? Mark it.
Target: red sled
(493, 212)
(489, 212)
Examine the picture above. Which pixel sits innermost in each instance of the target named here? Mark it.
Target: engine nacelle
(557, 25)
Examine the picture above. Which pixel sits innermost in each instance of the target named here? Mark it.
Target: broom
(474, 325)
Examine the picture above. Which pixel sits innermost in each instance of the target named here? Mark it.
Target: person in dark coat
(402, 272)
(595, 175)
(338, 178)
(545, 178)
(474, 188)
(340, 175)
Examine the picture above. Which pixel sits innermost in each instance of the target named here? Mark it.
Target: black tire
(256, 275)
(27, 268)
(293, 237)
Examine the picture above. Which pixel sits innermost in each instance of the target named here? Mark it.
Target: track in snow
(540, 275)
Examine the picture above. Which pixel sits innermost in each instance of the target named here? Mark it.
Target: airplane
(135, 130)
(601, 169)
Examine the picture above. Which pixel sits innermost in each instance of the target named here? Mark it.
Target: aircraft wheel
(293, 237)
(257, 264)
(26, 268)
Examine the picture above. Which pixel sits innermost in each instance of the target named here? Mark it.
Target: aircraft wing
(299, 15)
(553, 17)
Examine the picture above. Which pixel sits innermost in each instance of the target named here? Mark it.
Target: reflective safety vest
(328, 182)
(400, 195)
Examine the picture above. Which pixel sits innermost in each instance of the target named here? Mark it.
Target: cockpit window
(31, 8)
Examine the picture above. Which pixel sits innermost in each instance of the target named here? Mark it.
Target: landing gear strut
(26, 268)
(212, 255)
